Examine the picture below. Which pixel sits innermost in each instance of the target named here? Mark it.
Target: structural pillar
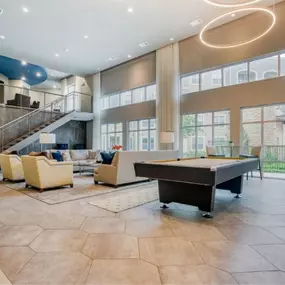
(168, 95)
(94, 83)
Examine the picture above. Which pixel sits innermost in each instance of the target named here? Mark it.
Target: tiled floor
(76, 243)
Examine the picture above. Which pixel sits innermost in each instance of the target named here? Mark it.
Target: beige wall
(130, 112)
(270, 91)
(135, 73)
(195, 56)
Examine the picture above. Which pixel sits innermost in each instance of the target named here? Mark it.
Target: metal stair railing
(50, 111)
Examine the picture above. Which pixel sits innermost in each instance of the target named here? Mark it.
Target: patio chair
(211, 152)
(255, 153)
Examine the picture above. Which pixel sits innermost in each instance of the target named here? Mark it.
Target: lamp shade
(47, 138)
(167, 137)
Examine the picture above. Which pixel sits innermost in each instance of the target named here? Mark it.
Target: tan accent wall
(135, 73)
(270, 91)
(195, 56)
(130, 112)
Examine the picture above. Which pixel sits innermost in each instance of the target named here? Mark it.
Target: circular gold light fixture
(201, 35)
(226, 4)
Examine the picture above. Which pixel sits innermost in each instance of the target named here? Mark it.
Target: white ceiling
(54, 25)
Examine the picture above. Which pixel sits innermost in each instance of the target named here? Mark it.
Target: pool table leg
(235, 185)
(188, 194)
(164, 206)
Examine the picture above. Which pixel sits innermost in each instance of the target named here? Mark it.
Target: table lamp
(47, 138)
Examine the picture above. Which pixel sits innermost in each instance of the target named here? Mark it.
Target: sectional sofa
(78, 157)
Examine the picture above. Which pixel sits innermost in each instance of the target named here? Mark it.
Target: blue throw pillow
(57, 156)
(107, 157)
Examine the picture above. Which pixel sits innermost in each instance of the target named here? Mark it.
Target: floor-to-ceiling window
(265, 126)
(111, 134)
(142, 135)
(200, 130)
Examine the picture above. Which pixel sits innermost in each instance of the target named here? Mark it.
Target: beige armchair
(107, 173)
(42, 173)
(12, 168)
(122, 171)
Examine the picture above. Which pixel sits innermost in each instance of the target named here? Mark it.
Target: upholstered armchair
(12, 168)
(107, 173)
(42, 173)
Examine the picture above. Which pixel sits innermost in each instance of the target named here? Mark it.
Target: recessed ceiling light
(24, 62)
(66, 50)
(1, 11)
(130, 10)
(56, 54)
(38, 74)
(86, 37)
(2, 37)
(54, 86)
(144, 44)
(25, 10)
(129, 56)
(171, 39)
(196, 22)
(233, 14)
(23, 78)
(113, 58)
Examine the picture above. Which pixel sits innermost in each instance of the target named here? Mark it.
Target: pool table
(193, 181)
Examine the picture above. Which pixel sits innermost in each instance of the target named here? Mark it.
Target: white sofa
(121, 171)
(78, 156)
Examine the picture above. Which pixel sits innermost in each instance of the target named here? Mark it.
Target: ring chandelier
(205, 42)
(223, 3)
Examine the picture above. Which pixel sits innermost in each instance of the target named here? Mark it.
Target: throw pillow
(107, 157)
(66, 156)
(34, 153)
(57, 156)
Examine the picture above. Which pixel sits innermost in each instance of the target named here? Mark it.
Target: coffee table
(85, 166)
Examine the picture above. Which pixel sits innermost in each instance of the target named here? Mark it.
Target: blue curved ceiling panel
(15, 70)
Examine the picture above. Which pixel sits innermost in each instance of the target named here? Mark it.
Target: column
(168, 96)
(94, 83)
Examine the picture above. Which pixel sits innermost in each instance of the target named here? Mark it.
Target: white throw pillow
(80, 154)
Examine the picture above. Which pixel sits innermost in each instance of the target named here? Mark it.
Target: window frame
(280, 67)
(138, 131)
(196, 127)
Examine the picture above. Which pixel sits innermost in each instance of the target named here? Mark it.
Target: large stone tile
(101, 246)
(148, 228)
(278, 231)
(59, 241)
(3, 279)
(15, 218)
(274, 253)
(50, 268)
(195, 231)
(168, 251)
(123, 272)
(189, 274)
(13, 259)
(103, 225)
(249, 235)
(90, 211)
(261, 278)
(18, 235)
(137, 213)
(57, 221)
(232, 257)
(261, 220)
